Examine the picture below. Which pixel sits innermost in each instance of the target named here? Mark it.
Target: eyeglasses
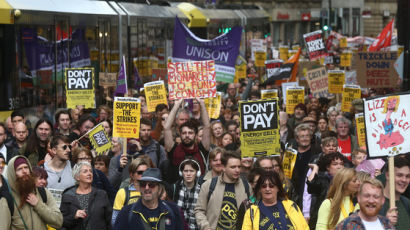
(64, 147)
(268, 185)
(143, 184)
(140, 172)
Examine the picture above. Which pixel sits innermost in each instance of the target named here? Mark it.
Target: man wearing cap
(30, 211)
(150, 212)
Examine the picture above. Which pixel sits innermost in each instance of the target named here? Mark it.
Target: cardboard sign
(191, 79)
(259, 128)
(107, 79)
(376, 69)
(294, 96)
(318, 84)
(360, 130)
(99, 139)
(79, 85)
(346, 59)
(315, 45)
(159, 74)
(127, 114)
(155, 94)
(288, 163)
(350, 92)
(269, 93)
(213, 105)
(260, 57)
(387, 121)
(336, 80)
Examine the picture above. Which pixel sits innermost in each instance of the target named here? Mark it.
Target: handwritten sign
(336, 80)
(317, 80)
(127, 114)
(155, 94)
(191, 79)
(350, 92)
(107, 79)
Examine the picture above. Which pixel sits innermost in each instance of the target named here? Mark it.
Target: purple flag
(137, 80)
(122, 80)
(223, 49)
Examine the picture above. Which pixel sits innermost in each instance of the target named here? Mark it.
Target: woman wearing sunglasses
(84, 206)
(274, 210)
(131, 193)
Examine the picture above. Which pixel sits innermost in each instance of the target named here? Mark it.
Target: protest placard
(277, 70)
(315, 45)
(286, 85)
(155, 94)
(336, 80)
(294, 96)
(318, 84)
(257, 45)
(159, 74)
(370, 166)
(240, 72)
(260, 58)
(107, 79)
(387, 124)
(57, 195)
(79, 85)
(191, 79)
(350, 92)
(127, 114)
(99, 139)
(213, 105)
(343, 42)
(269, 93)
(346, 59)
(360, 130)
(259, 128)
(288, 163)
(376, 69)
(284, 53)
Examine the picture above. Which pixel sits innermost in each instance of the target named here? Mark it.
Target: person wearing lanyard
(339, 203)
(274, 210)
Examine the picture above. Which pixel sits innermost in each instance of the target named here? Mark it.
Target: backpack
(127, 195)
(215, 180)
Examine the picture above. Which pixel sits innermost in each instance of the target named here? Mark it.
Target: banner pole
(124, 146)
(391, 183)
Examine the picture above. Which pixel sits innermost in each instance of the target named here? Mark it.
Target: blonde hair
(214, 140)
(373, 182)
(336, 194)
(388, 99)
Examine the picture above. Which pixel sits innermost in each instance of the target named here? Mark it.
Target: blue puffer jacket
(130, 217)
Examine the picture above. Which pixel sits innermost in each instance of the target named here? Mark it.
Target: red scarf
(182, 152)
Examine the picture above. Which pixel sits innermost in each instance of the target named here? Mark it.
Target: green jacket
(37, 217)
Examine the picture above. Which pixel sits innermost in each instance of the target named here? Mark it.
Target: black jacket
(318, 188)
(99, 210)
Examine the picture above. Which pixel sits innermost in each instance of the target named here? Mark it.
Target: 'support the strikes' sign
(80, 87)
(294, 96)
(315, 45)
(350, 92)
(317, 80)
(191, 79)
(269, 93)
(213, 105)
(127, 113)
(259, 128)
(336, 81)
(289, 160)
(387, 121)
(360, 130)
(155, 94)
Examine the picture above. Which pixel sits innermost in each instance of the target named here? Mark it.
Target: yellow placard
(259, 127)
(269, 93)
(284, 53)
(350, 92)
(288, 163)
(127, 113)
(79, 85)
(260, 58)
(99, 139)
(294, 96)
(213, 105)
(345, 59)
(155, 94)
(343, 42)
(240, 72)
(360, 130)
(336, 80)
(400, 50)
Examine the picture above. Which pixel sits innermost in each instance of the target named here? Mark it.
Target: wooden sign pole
(392, 190)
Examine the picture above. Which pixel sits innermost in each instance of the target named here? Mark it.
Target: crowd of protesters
(186, 171)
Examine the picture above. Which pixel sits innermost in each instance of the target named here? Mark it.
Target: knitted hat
(19, 161)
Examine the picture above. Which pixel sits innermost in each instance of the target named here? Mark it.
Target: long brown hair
(272, 177)
(336, 194)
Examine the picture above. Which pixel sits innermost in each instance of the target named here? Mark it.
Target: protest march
(300, 136)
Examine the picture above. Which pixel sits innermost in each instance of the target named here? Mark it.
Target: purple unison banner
(223, 49)
(40, 52)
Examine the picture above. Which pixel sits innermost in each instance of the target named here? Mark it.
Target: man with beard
(149, 212)
(400, 215)
(188, 148)
(30, 212)
(36, 149)
(371, 200)
(299, 114)
(148, 146)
